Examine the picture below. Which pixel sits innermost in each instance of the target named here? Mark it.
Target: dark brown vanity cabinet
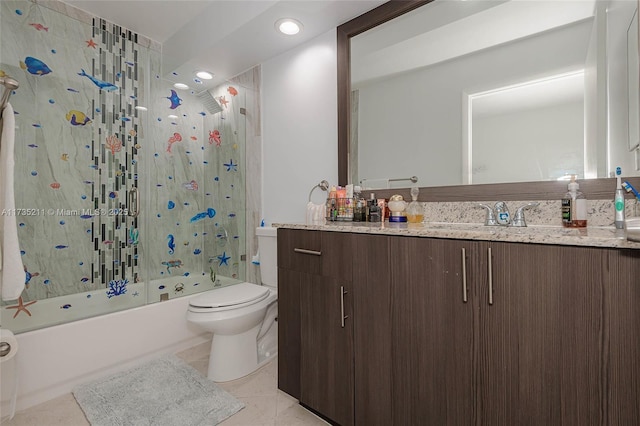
(456, 332)
(315, 361)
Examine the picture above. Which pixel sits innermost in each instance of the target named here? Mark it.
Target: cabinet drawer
(319, 253)
(300, 250)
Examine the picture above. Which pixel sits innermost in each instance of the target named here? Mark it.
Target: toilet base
(233, 357)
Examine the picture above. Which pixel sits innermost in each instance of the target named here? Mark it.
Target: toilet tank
(268, 247)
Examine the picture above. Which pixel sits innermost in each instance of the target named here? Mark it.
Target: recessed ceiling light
(288, 26)
(181, 86)
(172, 116)
(204, 75)
(141, 108)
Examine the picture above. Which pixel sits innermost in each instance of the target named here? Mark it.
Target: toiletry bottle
(374, 210)
(619, 204)
(574, 206)
(359, 210)
(415, 212)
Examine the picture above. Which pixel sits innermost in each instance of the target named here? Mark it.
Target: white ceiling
(223, 37)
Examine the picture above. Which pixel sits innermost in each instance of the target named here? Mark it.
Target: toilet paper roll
(8, 345)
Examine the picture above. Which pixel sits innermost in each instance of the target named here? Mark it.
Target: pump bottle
(574, 206)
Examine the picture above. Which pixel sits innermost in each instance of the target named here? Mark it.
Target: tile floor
(264, 403)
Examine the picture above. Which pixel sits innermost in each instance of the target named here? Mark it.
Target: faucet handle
(518, 219)
(490, 218)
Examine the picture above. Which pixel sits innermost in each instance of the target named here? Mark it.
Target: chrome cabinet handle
(464, 275)
(134, 209)
(305, 251)
(490, 278)
(342, 315)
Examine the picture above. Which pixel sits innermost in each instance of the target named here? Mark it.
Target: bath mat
(162, 392)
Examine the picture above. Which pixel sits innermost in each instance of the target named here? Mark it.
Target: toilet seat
(232, 297)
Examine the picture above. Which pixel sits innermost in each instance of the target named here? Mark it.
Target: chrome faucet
(518, 219)
(497, 215)
(490, 218)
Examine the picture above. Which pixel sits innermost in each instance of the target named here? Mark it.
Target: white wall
(300, 147)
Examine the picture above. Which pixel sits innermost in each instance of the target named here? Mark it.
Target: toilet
(242, 317)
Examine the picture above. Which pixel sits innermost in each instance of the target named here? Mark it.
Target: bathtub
(52, 361)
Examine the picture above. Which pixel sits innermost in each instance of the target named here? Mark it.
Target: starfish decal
(224, 259)
(223, 101)
(91, 43)
(21, 306)
(230, 166)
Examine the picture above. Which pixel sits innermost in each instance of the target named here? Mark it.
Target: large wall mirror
(477, 93)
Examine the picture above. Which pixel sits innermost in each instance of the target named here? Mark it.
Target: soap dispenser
(574, 206)
(415, 212)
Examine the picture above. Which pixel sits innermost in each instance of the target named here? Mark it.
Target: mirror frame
(595, 189)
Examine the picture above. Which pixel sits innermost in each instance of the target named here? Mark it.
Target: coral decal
(113, 144)
(117, 288)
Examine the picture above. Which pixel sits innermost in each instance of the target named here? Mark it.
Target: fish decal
(171, 243)
(55, 185)
(214, 136)
(177, 137)
(191, 186)
(77, 118)
(60, 247)
(72, 90)
(39, 27)
(35, 66)
(66, 306)
(210, 213)
(32, 145)
(232, 91)
(102, 85)
(177, 263)
(175, 100)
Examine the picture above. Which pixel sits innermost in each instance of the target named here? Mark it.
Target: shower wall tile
(82, 147)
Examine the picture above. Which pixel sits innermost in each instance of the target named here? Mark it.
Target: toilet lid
(229, 296)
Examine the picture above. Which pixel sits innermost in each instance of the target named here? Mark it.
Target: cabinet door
(326, 370)
(289, 283)
(432, 332)
(623, 337)
(372, 312)
(540, 336)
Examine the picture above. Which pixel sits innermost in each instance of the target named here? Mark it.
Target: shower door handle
(134, 202)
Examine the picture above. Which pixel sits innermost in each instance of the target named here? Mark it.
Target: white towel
(12, 273)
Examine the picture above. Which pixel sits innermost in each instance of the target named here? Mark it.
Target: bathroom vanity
(460, 325)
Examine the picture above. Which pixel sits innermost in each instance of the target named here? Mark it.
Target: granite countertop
(605, 236)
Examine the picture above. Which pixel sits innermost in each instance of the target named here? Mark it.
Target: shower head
(209, 102)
